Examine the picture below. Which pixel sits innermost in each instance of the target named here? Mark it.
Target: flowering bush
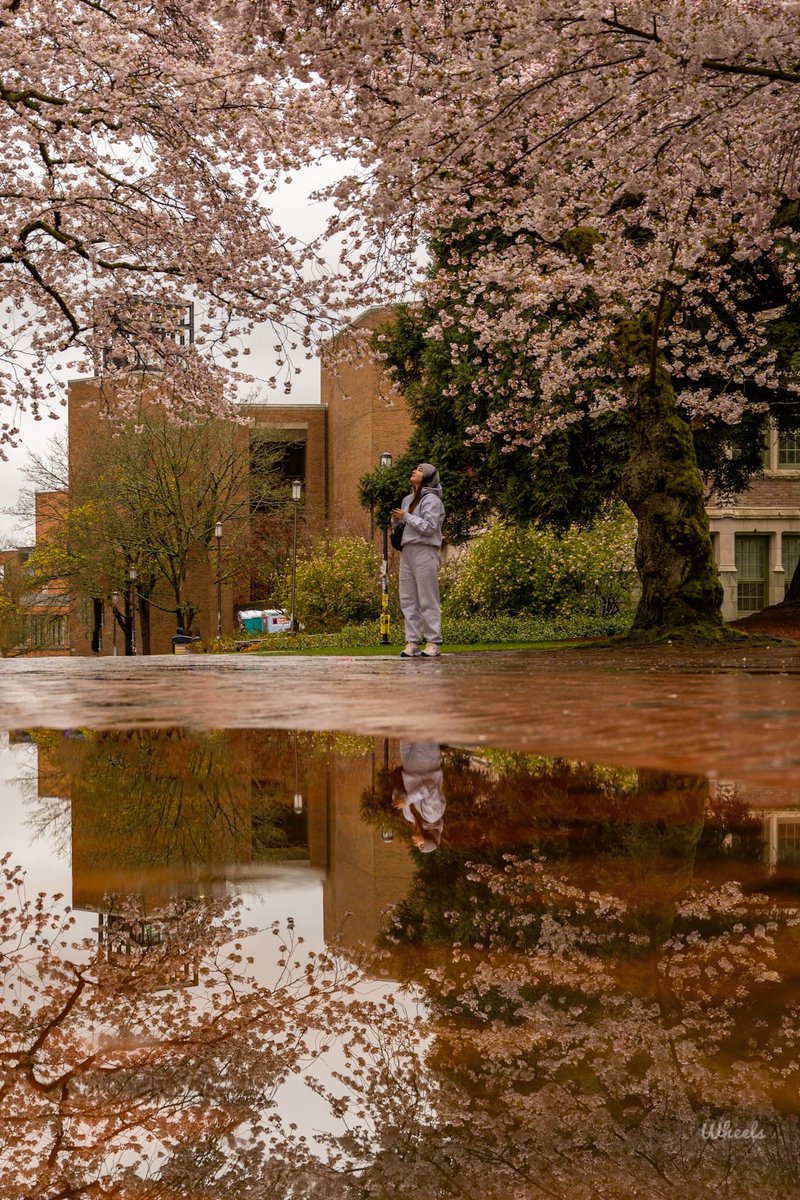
(338, 580)
(524, 569)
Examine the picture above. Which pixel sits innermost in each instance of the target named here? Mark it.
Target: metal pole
(132, 581)
(385, 618)
(218, 536)
(292, 628)
(219, 587)
(128, 648)
(385, 463)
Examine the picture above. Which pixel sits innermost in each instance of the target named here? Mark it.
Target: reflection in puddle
(598, 974)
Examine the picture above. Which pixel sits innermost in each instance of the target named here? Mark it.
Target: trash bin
(181, 643)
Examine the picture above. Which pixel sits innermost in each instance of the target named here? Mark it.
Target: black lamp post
(297, 799)
(218, 536)
(297, 491)
(386, 462)
(132, 577)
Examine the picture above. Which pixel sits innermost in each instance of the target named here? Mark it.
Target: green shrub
(514, 569)
(338, 581)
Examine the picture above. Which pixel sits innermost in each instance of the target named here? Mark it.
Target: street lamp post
(297, 491)
(386, 462)
(218, 536)
(297, 799)
(132, 577)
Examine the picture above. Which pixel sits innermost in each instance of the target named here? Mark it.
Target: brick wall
(774, 490)
(367, 417)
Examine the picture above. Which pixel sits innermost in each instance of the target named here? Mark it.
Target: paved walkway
(720, 714)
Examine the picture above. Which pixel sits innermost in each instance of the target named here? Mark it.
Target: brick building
(756, 535)
(366, 418)
(327, 446)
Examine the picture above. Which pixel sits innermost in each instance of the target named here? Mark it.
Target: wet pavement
(498, 926)
(722, 714)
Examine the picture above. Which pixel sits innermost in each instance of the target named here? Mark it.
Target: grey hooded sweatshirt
(424, 525)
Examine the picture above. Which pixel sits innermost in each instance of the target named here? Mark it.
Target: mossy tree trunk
(662, 486)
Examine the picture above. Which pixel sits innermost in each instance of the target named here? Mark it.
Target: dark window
(291, 462)
(788, 842)
(790, 551)
(283, 460)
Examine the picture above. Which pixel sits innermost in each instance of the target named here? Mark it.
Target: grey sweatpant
(419, 592)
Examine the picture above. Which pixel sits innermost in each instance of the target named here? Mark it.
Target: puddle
(298, 963)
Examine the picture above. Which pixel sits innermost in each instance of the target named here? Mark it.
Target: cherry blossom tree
(614, 193)
(140, 149)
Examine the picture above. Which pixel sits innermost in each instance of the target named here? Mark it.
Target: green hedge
(338, 582)
(524, 569)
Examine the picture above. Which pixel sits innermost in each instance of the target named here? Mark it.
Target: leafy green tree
(337, 581)
(12, 616)
(581, 462)
(154, 494)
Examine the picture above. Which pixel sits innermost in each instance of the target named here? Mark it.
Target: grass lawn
(394, 650)
(462, 636)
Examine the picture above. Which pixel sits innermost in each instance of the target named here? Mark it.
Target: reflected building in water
(159, 814)
(168, 813)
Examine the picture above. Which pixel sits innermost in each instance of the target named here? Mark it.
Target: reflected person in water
(421, 798)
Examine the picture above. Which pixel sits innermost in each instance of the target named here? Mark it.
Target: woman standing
(423, 514)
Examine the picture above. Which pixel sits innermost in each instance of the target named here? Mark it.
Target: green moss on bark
(662, 486)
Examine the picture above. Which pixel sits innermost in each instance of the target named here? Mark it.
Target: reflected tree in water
(597, 997)
(586, 989)
(146, 1062)
(150, 797)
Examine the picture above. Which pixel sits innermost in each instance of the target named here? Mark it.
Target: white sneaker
(431, 650)
(410, 650)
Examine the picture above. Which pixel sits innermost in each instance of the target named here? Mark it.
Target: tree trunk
(144, 622)
(663, 489)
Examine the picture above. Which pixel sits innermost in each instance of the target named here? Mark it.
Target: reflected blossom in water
(145, 1062)
(595, 970)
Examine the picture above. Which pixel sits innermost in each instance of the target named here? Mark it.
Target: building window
(283, 461)
(790, 551)
(789, 842)
(789, 451)
(752, 557)
(142, 318)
